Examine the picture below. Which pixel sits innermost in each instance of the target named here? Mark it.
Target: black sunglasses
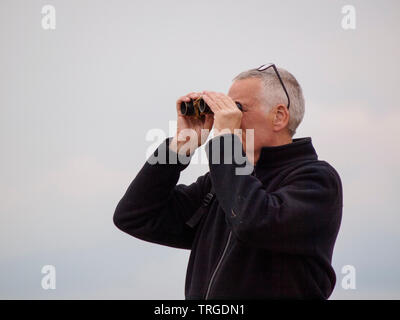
(267, 66)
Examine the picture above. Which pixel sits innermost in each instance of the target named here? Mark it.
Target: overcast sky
(77, 102)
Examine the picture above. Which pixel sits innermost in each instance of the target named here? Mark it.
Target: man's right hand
(191, 132)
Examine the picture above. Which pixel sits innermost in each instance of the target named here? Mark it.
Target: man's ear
(281, 117)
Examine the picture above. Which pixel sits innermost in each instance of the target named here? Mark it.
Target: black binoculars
(197, 108)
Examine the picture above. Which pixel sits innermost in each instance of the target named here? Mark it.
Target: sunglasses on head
(271, 65)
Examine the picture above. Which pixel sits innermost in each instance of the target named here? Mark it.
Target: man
(265, 235)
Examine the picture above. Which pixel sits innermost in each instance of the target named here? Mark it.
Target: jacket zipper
(218, 265)
(222, 257)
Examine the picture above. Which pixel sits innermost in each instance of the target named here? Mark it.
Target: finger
(179, 102)
(194, 95)
(228, 101)
(189, 96)
(214, 96)
(219, 99)
(210, 101)
(190, 93)
(186, 98)
(180, 99)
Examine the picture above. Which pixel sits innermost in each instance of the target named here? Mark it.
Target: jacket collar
(299, 149)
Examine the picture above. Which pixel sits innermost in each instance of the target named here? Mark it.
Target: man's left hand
(227, 115)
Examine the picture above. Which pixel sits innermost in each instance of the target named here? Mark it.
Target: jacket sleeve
(154, 208)
(303, 214)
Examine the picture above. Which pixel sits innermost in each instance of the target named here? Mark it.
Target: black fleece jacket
(265, 235)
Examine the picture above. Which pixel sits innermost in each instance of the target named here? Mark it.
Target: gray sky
(76, 104)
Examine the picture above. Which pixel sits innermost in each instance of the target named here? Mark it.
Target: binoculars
(198, 107)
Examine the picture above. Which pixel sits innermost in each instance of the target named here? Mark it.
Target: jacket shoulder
(316, 168)
(330, 174)
(320, 166)
(326, 166)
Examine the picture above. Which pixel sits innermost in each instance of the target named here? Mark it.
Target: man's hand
(227, 116)
(191, 132)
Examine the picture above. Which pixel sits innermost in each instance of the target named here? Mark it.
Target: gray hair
(274, 93)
